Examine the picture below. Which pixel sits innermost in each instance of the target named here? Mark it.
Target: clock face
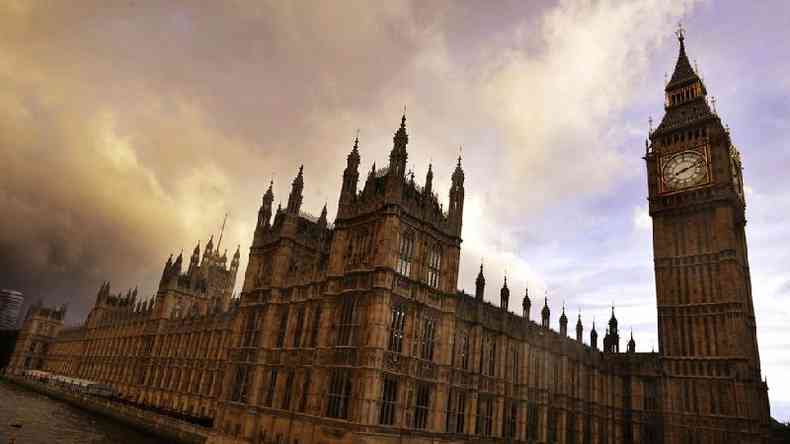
(685, 170)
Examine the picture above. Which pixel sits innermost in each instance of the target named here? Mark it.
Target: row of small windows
(406, 258)
(253, 324)
(426, 336)
(340, 391)
(684, 136)
(684, 94)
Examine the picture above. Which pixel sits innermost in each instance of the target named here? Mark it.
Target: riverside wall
(158, 425)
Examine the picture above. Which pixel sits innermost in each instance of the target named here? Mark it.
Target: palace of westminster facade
(356, 332)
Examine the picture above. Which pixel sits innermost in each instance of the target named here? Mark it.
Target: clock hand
(688, 168)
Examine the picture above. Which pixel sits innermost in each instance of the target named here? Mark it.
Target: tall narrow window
(463, 350)
(514, 364)
(511, 419)
(570, 428)
(339, 394)
(283, 327)
(552, 424)
(299, 327)
(389, 398)
(456, 411)
(405, 253)
(345, 335)
(289, 382)
(249, 337)
(491, 357)
(427, 339)
(305, 390)
(397, 328)
(239, 388)
(316, 326)
(532, 421)
(422, 405)
(271, 387)
(485, 413)
(434, 265)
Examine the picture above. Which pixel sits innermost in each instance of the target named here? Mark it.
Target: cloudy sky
(128, 129)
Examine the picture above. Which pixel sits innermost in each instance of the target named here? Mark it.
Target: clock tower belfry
(706, 322)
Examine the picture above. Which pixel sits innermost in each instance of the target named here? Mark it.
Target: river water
(48, 421)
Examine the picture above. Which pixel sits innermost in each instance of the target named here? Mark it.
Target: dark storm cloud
(127, 129)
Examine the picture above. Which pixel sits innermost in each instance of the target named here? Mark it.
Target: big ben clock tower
(706, 322)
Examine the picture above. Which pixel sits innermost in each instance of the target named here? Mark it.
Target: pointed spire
(683, 70)
(398, 155)
(429, 180)
(237, 254)
(351, 173)
(458, 173)
(504, 295)
(264, 213)
(177, 263)
(526, 304)
(480, 284)
(579, 327)
(209, 247)
(545, 313)
(594, 337)
(268, 196)
(295, 198)
(322, 218)
(195, 259)
(613, 321)
(563, 322)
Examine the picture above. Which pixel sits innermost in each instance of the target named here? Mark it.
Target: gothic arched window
(406, 253)
(434, 265)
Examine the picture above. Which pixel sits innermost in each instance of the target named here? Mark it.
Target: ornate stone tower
(706, 324)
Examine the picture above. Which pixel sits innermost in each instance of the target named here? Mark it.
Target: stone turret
(504, 296)
(526, 304)
(295, 198)
(480, 285)
(545, 313)
(398, 155)
(455, 213)
(563, 323)
(594, 337)
(348, 192)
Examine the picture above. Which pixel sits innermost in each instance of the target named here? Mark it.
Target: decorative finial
(666, 78)
(696, 68)
(650, 125)
(713, 103)
(680, 32)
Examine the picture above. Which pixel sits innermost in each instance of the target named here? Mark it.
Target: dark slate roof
(693, 111)
(683, 70)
